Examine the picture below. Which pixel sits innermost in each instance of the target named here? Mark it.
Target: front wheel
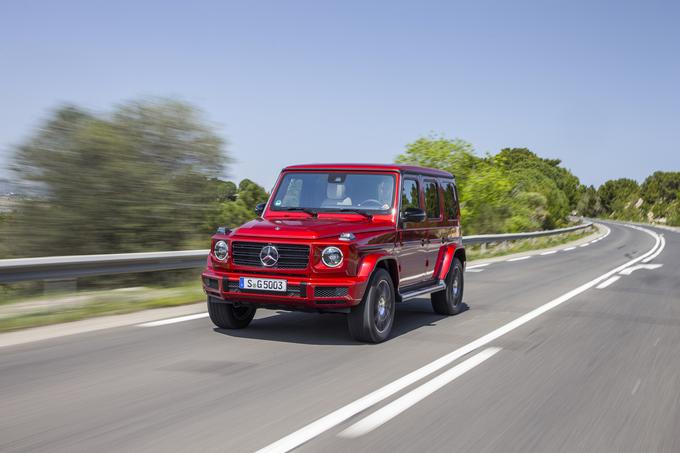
(450, 300)
(227, 316)
(371, 321)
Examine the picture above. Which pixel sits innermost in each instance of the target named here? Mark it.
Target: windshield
(335, 192)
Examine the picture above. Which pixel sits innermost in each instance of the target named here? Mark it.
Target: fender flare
(369, 263)
(445, 258)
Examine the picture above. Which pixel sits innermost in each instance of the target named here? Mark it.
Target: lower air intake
(330, 291)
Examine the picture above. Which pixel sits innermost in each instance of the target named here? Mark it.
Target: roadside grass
(54, 308)
(100, 303)
(477, 252)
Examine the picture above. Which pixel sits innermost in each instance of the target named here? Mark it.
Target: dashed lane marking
(396, 407)
(521, 258)
(607, 282)
(165, 322)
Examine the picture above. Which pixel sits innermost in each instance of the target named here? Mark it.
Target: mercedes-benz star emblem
(269, 256)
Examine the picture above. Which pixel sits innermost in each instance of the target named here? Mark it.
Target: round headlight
(331, 256)
(221, 250)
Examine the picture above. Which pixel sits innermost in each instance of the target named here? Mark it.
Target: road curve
(569, 351)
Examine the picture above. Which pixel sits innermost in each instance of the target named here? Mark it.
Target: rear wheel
(450, 300)
(227, 316)
(371, 321)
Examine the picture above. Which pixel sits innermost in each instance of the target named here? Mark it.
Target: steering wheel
(371, 201)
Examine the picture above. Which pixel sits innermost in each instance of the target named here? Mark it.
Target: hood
(310, 228)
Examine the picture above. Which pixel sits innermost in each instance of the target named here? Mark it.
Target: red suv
(347, 238)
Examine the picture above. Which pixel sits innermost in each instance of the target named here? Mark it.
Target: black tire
(226, 316)
(371, 321)
(450, 300)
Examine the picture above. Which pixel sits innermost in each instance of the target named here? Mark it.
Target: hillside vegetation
(656, 200)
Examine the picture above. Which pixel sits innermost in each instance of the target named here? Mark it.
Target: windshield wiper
(357, 211)
(311, 212)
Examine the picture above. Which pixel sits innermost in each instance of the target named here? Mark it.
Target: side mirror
(413, 215)
(259, 208)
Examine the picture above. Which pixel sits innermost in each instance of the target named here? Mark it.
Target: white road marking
(331, 420)
(474, 266)
(551, 252)
(520, 258)
(569, 248)
(396, 407)
(636, 387)
(608, 282)
(658, 252)
(164, 322)
(474, 270)
(630, 270)
(584, 245)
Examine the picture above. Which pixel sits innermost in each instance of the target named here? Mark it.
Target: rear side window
(450, 201)
(432, 200)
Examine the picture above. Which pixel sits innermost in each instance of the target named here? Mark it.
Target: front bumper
(303, 293)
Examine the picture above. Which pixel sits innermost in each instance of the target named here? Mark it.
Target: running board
(422, 291)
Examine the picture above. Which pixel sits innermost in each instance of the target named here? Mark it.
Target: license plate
(263, 284)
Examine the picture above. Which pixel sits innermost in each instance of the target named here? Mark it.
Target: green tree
(589, 204)
(455, 156)
(661, 193)
(616, 193)
(531, 173)
(661, 187)
(250, 194)
(486, 202)
(135, 180)
(240, 208)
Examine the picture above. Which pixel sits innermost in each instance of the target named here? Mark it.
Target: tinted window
(450, 202)
(431, 200)
(409, 194)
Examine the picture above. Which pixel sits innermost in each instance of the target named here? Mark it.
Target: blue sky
(596, 84)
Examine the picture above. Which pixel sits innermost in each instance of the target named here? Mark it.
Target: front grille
(330, 291)
(291, 290)
(291, 256)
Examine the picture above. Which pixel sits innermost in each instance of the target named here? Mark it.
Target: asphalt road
(543, 360)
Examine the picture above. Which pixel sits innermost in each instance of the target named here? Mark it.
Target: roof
(374, 167)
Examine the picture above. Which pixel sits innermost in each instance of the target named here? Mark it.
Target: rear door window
(410, 197)
(432, 200)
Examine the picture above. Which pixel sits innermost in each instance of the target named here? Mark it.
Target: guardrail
(643, 224)
(71, 267)
(75, 266)
(490, 238)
